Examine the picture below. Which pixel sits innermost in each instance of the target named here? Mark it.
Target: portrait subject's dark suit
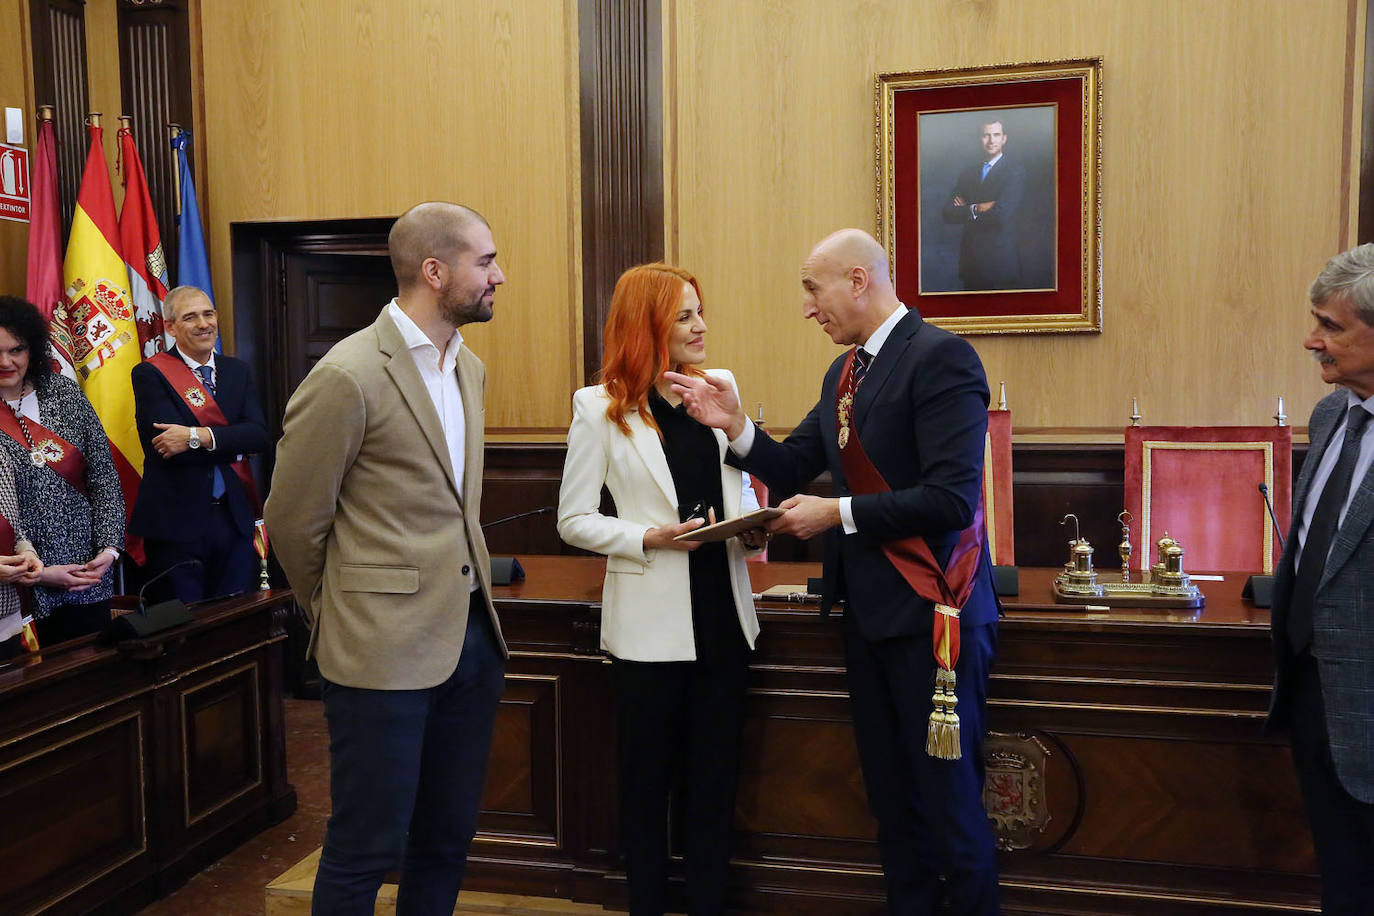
(921, 415)
(989, 257)
(175, 512)
(1326, 697)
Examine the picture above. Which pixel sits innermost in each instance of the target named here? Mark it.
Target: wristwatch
(194, 441)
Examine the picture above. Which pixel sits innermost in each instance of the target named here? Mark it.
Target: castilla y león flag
(96, 317)
(44, 283)
(142, 249)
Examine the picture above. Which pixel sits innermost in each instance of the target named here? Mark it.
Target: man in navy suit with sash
(198, 419)
(900, 426)
(1323, 612)
(987, 202)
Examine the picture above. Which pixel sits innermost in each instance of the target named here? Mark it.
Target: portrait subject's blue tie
(987, 167)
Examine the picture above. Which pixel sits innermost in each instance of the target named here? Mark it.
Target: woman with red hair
(677, 618)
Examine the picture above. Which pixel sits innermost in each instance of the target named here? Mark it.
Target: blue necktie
(208, 377)
(987, 167)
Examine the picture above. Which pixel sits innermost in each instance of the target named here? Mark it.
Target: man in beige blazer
(374, 514)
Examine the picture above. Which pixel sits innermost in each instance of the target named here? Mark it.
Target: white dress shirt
(745, 441)
(1328, 464)
(439, 373)
(214, 383)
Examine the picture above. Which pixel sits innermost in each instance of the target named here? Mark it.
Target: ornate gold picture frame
(989, 193)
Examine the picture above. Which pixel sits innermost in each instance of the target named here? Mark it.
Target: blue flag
(193, 264)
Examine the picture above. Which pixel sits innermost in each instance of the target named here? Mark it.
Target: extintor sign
(14, 183)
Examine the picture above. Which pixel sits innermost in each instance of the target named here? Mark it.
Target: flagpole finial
(126, 122)
(46, 113)
(93, 119)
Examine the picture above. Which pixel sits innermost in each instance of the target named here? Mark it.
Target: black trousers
(680, 725)
(933, 832)
(227, 562)
(1342, 825)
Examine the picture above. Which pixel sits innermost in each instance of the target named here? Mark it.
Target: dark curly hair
(22, 319)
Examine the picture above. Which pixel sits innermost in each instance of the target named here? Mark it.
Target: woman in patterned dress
(69, 494)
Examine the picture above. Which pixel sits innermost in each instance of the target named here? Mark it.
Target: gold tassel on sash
(942, 736)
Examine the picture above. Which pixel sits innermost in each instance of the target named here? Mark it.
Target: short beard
(458, 313)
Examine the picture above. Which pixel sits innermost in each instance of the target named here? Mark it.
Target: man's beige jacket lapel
(401, 367)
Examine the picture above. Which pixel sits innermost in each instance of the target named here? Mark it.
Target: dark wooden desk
(124, 771)
(1126, 770)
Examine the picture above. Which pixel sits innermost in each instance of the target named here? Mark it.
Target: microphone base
(147, 622)
(1259, 590)
(1006, 580)
(505, 570)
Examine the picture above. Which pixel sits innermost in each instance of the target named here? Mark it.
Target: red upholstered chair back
(997, 489)
(1201, 485)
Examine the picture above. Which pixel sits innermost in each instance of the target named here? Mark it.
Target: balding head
(846, 249)
(430, 230)
(847, 286)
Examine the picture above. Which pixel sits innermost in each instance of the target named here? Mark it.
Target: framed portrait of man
(989, 184)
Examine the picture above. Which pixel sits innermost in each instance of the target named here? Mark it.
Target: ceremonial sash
(47, 449)
(191, 389)
(8, 540)
(946, 588)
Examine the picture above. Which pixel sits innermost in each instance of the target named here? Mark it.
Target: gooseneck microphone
(505, 570)
(542, 510)
(1264, 491)
(1259, 590)
(146, 621)
(142, 592)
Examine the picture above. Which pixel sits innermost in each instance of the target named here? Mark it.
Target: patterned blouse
(65, 526)
(9, 508)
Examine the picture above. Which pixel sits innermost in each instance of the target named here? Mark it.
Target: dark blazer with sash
(921, 415)
(65, 525)
(1342, 617)
(176, 491)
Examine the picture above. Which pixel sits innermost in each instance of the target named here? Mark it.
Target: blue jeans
(406, 775)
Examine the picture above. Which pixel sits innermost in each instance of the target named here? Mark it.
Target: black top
(693, 455)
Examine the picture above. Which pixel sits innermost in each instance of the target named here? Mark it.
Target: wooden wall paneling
(16, 91)
(520, 804)
(620, 52)
(1206, 264)
(296, 129)
(79, 792)
(58, 29)
(221, 729)
(1126, 761)
(103, 80)
(155, 75)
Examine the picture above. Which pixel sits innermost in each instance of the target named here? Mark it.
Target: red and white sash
(191, 389)
(47, 449)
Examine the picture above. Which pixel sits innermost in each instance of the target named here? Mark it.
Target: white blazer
(646, 603)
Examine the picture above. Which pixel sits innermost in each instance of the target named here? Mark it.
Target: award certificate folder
(731, 527)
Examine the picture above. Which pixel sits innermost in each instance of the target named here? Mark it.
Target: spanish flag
(97, 318)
